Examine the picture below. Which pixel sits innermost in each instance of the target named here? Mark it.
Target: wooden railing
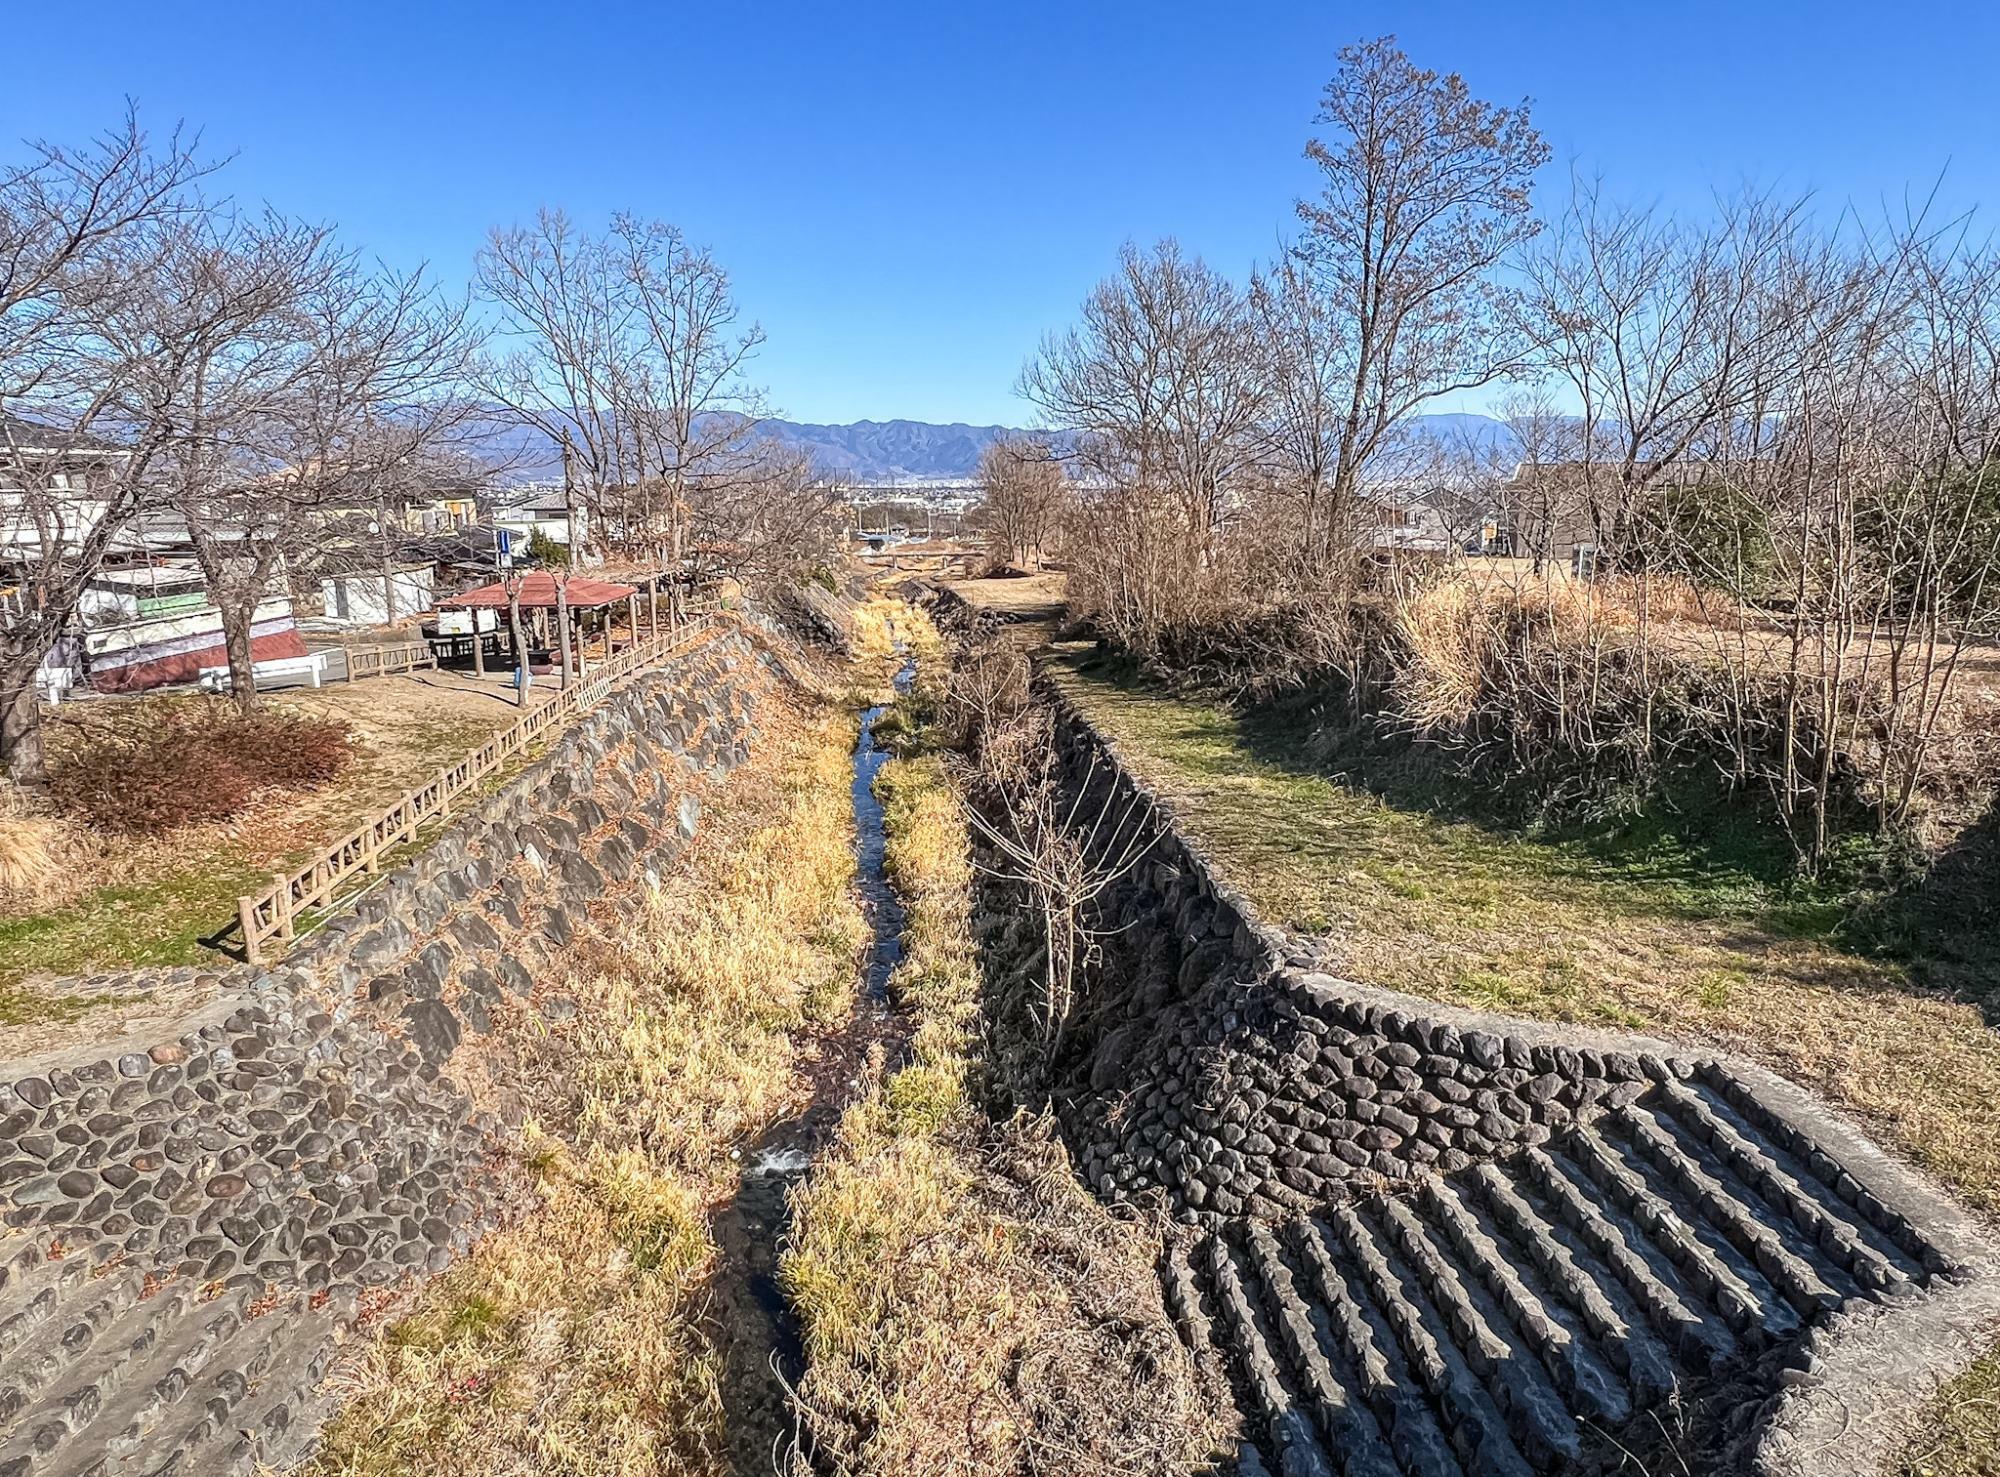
(274, 913)
(380, 661)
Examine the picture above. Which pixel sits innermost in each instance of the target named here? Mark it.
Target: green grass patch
(160, 923)
(1959, 1431)
(1303, 809)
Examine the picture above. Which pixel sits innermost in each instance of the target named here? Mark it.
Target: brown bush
(294, 753)
(194, 763)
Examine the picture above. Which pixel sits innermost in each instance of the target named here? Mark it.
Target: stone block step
(34, 1288)
(85, 1337)
(243, 1410)
(1514, 1318)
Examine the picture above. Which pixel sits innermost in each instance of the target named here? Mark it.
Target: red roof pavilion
(538, 592)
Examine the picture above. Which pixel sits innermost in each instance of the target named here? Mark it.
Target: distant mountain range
(891, 451)
(917, 451)
(922, 451)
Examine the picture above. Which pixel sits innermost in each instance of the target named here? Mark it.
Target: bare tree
(1024, 493)
(70, 220)
(298, 376)
(562, 339)
(692, 414)
(1164, 382)
(1670, 335)
(630, 351)
(1541, 498)
(1425, 190)
(1065, 841)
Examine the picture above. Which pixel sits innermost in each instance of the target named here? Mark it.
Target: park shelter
(588, 603)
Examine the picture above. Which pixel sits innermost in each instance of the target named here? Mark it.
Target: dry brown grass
(1027, 596)
(967, 1306)
(1959, 1431)
(580, 1341)
(1455, 631)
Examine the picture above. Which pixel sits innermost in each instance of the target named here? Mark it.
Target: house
(53, 487)
(414, 511)
(140, 652)
(378, 596)
(144, 618)
(546, 513)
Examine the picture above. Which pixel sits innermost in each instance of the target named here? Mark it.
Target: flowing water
(765, 1356)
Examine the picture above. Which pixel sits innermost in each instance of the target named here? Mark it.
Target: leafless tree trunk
(1426, 189)
(76, 228)
(523, 678)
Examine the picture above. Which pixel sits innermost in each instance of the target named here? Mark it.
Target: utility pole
(569, 497)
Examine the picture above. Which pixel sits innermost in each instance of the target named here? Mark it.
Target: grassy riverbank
(581, 1339)
(1682, 931)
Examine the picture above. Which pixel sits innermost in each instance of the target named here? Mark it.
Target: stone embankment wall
(1432, 1241)
(191, 1213)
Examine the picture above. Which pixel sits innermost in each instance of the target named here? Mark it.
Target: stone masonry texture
(1426, 1242)
(188, 1218)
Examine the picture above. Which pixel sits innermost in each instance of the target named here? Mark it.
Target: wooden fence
(381, 661)
(274, 913)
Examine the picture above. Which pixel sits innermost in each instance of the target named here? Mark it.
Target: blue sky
(909, 195)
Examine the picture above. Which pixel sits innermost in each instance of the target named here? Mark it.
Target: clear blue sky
(910, 194)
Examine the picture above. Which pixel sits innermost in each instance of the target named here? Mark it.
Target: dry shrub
(179, 763)
(35, 855)
(1463, 643)
(986, 688)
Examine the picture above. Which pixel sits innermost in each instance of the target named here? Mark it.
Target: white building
(362, 597)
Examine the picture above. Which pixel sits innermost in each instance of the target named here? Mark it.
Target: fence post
(284, 905)
(246, 919)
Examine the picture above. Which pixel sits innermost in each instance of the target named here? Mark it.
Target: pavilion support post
(653, 604)
(632, 616)
(562, 629)
(478, 647)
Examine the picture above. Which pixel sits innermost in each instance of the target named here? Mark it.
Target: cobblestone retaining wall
(190, 1213)
(1426, 1242)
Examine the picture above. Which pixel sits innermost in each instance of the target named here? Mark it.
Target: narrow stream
(765, 1356)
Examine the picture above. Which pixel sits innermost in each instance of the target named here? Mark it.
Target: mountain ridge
(900, 450)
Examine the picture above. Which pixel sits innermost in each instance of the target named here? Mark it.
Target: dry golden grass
(967, 1307)
(1028, 596)
(887, 632)
(579, 1340)
(34, 854)
(1455, 629)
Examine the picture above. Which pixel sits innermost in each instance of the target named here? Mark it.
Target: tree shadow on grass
(1945, 920)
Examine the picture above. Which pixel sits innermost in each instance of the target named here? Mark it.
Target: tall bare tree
(1024, 493)
(299, 376)
(71, 220)
(631, 349)
(1425, 190)
(1164, 380)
